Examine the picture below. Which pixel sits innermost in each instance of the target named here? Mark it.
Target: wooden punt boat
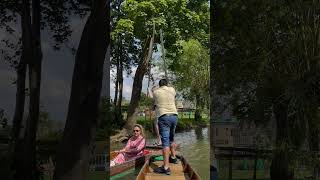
(150, 150)
(132, 163)
(180, 171)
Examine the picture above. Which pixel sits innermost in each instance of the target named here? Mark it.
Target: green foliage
(124, 47)
(46, 126)
(192, 72)
(123, 26)
(55, 17)
(183, 124)
(54, 136)
(263, 58)
(3, 119)
(133, 22)
(179, 20)
(145, 101)
(107, 124)
(146, 124)
(104, 117)
(266, 59)
(47, 145)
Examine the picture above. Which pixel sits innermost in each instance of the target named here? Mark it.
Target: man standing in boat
(164, 98)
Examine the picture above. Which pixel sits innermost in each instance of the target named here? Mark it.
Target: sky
(57, 69)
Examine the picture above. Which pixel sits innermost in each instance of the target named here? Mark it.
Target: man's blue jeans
(167, 126)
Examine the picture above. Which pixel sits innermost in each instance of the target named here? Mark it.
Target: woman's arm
(140, 146)
(127, 147)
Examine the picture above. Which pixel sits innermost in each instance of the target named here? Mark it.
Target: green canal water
(194, 146)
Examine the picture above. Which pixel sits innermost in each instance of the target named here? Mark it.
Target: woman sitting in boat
(134, 147)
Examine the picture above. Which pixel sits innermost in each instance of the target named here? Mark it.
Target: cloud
(127, 84)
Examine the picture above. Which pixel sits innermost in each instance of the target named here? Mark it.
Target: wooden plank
(180, 171)
(191, 173)
(176, 169)
(165, 177)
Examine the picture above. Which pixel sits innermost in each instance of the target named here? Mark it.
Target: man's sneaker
(173, 160)
(161, 170)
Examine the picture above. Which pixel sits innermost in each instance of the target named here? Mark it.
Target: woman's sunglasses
(136, 130)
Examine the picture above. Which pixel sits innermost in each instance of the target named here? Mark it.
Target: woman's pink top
(135, 145)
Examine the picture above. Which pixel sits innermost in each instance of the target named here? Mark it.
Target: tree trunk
(107, 74)
(119, 83)
(75, 148)
(118, 57)
(21, 80)
(20, 96)
(20, 164)
(120, 87)
(116, 115)
(137, 83)
(15, 146)
(34, 87)
(313, 138)
(280, 163)
(116, 90)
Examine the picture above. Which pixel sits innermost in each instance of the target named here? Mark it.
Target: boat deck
(176, 172)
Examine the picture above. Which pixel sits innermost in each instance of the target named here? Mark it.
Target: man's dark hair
(163, 82)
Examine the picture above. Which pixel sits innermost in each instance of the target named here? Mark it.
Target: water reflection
(198, 132)
(195, 148)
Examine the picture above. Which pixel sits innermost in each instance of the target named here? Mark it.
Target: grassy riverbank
(183, 123)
